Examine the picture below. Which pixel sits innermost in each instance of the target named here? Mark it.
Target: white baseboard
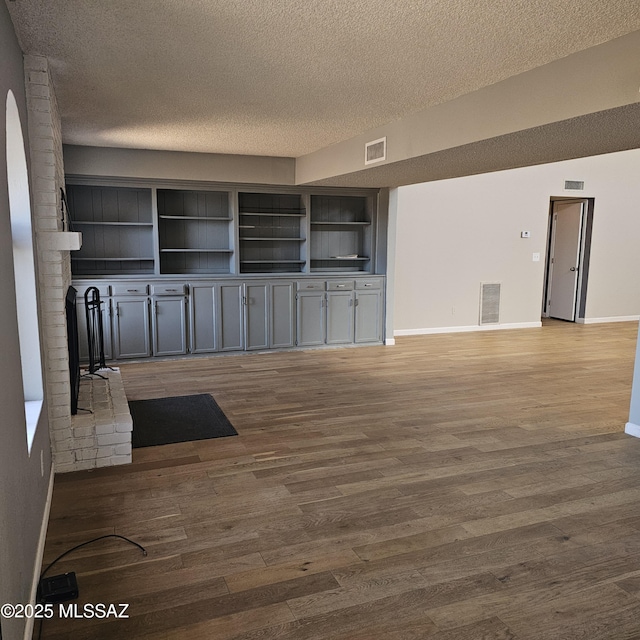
(37, 567)
(611, 319)
(632, 430)
(482, 327)
(389, 342)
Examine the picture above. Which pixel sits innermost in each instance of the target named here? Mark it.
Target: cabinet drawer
(311, 285)
(373, 283)
(132, 289)
(103, 289)
(167, 289)
(340, 285)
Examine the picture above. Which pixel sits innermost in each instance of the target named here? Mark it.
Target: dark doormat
(178, 419)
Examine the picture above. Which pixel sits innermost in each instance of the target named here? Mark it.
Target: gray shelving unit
(195, 231)
(341, 234)
(194, 268)
(272, 233)
(117, 230)
(220, 230)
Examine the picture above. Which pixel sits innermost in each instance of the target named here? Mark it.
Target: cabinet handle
(341, 286)
(244, 300)
(357, 302)
(368, 284)
(132, 290)
(171, 289)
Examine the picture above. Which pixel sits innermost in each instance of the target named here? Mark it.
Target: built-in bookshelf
(195, 231)
(340, 233)
(272, 233)
(140, 230)
(117, 230)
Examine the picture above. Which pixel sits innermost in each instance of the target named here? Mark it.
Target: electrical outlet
(536, 257)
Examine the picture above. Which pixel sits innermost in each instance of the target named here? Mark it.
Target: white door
(566, 241)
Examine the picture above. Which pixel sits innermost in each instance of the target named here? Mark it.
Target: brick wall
(74, 446)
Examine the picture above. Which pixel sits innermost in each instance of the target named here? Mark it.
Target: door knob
(572, 269)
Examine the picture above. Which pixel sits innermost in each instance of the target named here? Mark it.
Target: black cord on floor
(78, 546)
(109, 535)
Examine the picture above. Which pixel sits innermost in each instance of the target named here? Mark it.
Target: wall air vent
(489, 302)
(574, 185)
(375, 151)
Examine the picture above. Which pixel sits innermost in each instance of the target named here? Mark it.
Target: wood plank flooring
(452, 487)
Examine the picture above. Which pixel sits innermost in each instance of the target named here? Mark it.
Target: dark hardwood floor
(452, 487)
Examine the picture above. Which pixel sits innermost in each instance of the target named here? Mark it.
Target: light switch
(525, 234)
(536, 257)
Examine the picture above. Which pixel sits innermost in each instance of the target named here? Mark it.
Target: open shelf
(272, 265)
(195, 231)
(278, 213)
(272, 261)
(214, 218)
(338, 224)
(275, 232)
(112, 266)
(341, 235)
(342, 258)
(117, 230)
(111, 224)
(271, 239)
(167, 250)
(116, 259)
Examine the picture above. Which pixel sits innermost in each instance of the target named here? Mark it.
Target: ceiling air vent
(574, 185)
(489, 302)
(375, 151)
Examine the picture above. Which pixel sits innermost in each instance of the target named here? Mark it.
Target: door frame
(583, 259)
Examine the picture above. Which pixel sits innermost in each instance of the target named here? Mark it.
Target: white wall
(24, 477)
(454, 234)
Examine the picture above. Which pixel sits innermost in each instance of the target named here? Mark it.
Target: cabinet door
(106, 330)
(368, 316)
(339, 317)
(310, 318)
(131, 327)
(283, 326)
(202, 318)
(256, 322)
(229, 325)
(169, 324)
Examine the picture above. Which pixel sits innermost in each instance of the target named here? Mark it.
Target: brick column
(53, 266)
(82, 441)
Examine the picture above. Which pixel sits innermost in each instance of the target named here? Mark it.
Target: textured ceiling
(287, 77)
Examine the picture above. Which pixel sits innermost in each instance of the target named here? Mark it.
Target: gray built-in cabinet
(202, 269)
(339, 312)
(177, 318)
